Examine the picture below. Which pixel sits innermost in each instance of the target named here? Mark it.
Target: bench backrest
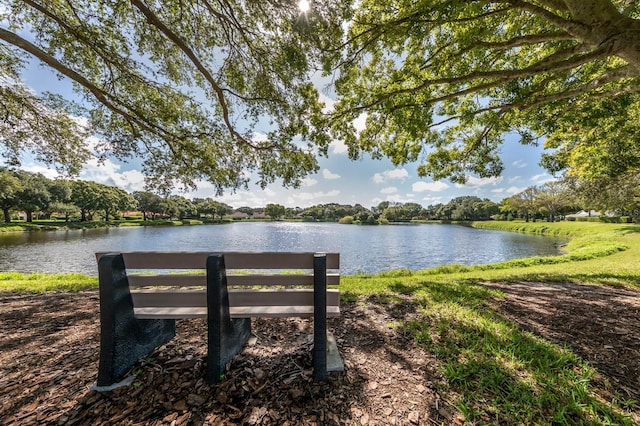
(173, 284)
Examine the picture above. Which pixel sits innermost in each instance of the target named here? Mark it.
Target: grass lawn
(493, 371)
(496, 372)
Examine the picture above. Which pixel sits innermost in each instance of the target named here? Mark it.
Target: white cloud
(498, 190)
(515, 179)
(305, 199)
(109, 173)
(387, 175)
(38, 168)
(259, 137)
(338, 147)
(326, 173)
(432, 200)
(429, 186)
(514, 189)
(361, 122)
(541, 178)
(389, 190)
(519, 164)
(328, 103)
(309, 181)
(476, 182)
(393, 198)
(239, 199)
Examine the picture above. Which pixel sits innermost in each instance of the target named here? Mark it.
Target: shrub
(616, 219)
(346, 220)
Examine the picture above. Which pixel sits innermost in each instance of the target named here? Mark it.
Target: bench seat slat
(169, 313)
(160, 298)
(283, 279)
(171, 280)
(188, 280)
(235, 312)
(278, 311)
(293, 297)
(233, 260)
(237, 298)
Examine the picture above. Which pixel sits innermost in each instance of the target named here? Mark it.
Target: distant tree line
(551, 201)
(37, 196)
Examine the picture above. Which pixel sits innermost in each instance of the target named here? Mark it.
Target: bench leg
(320, 373)
(226, 337)
(124, 340)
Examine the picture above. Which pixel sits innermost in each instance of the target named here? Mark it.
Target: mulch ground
(49, 356)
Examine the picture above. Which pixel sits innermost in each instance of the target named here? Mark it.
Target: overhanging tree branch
(103, 97)
(182, 44)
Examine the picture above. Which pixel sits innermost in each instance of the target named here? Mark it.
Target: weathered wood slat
(196, 298)
(233, 260)
(273, 280)
(281, 297)
(237, 297)
(188, 280)
(171, 280)
(236, 312)
(277, 260)
(169, 313)
(278, 311)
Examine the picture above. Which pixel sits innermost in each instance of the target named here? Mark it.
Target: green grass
(492, 371)
(47, 225)
(16, 282)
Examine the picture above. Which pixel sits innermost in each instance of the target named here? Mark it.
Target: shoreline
(585, 242)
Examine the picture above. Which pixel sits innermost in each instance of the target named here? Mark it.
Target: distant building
(583, 213)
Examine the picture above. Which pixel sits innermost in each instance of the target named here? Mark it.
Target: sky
(339, 180)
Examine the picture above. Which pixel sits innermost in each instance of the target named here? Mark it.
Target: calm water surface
(362, 248)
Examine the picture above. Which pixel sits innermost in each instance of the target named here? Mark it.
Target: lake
(362, 248)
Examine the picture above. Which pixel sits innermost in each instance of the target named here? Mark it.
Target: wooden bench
(143, 293)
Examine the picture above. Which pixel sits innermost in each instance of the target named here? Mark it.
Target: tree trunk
(29, 216)
(7, 215)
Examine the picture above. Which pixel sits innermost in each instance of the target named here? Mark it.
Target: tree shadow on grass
(503, 373)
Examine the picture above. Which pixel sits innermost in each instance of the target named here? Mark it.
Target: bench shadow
(269, 381)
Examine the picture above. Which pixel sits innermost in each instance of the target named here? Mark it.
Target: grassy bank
(54, 225)
(16, 282)
(493, 371)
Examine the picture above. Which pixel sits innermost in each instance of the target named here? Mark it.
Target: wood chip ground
(49, 356)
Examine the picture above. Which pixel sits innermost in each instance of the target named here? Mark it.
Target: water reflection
(362, 248)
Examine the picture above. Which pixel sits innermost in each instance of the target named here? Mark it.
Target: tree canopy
(184, 84)
(181, 84)
(443, 82)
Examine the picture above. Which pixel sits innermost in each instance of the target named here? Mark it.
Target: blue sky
(339, 180)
